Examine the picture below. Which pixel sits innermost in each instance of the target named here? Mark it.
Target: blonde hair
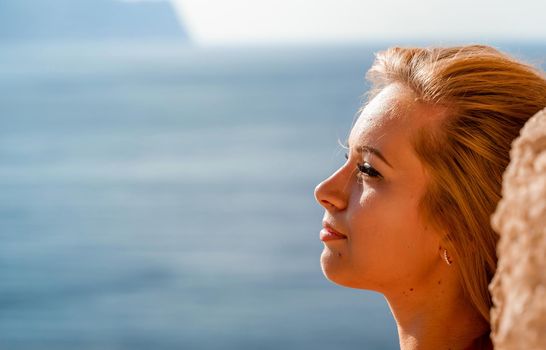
(488, 96)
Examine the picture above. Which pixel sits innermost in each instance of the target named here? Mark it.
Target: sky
(225, 22)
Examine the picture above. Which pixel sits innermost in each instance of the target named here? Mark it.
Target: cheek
(388, 237)
(372, 223)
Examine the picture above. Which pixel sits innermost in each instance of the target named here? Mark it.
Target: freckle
(339, 254)
(411, 289)
(440, 282)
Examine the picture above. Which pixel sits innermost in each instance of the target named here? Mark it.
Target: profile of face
(374, 237)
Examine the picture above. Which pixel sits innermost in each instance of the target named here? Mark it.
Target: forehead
(390, 114)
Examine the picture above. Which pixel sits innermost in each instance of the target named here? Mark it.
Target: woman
(408, 213)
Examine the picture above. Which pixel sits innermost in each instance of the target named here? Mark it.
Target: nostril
(325, 203)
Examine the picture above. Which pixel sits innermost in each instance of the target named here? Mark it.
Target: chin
(334, 267)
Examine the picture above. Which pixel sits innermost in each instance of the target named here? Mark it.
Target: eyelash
(366, 169)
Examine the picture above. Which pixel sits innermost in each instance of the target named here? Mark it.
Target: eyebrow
(375, 152)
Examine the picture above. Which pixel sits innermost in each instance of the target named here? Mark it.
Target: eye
(367, 170)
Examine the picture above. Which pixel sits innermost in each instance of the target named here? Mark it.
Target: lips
(329, 234)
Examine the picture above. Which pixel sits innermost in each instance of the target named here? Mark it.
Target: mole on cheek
(339, 254)
(411, 289)
(440, 282)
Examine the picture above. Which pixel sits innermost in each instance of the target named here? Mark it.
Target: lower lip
(326, 235)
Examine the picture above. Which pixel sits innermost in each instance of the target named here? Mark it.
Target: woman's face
(372, 200)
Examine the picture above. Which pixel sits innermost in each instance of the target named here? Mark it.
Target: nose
(332, 192)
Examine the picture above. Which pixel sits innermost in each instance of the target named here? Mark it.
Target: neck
(436, 315)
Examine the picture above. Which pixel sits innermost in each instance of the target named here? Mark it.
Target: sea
(160, 196)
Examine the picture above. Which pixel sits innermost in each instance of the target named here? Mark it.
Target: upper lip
(330, 228)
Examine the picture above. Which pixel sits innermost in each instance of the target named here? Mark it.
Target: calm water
(154, 197)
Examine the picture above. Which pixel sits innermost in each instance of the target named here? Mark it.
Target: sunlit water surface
(159, 197)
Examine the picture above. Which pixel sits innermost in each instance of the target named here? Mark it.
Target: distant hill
(54, 20)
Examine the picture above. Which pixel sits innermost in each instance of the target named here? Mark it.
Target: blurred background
(158, 161)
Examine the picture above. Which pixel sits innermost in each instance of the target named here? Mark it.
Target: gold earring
(446, 257)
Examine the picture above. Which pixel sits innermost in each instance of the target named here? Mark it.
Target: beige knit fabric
(518, 317)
